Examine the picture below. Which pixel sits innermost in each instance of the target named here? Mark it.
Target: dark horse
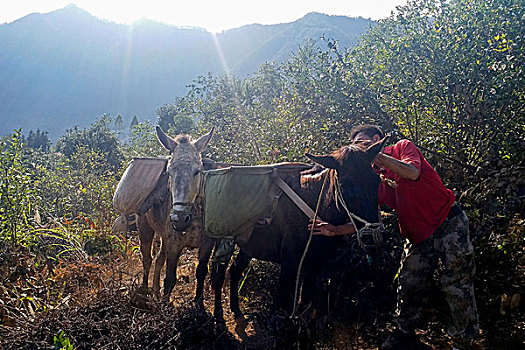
(285, 239)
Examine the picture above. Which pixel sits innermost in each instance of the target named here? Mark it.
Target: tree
(98, 137)
(143, 142)
(119, 123)
(17, 191)
(445, 74)
(37, 140)
(134, 122)
(176, 117)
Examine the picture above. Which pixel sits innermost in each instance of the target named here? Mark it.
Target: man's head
(366, 135)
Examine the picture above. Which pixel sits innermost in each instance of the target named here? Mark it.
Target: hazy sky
(212, 15)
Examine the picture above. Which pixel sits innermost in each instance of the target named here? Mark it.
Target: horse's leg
(309, 287)
(287, 282)
(319, 254)
(239, 265)
(205, 250)
(159, 262)
(171, 266)
(218, 274)
(146, 234)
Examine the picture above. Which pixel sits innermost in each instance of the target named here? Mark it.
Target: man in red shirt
(435, 229)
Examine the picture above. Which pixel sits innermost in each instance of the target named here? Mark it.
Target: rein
(314, 218)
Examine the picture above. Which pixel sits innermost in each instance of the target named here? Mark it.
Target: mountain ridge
(67, 67)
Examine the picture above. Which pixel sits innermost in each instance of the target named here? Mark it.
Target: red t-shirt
(421, 205)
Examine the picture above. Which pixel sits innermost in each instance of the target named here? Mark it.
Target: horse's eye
(196, 172)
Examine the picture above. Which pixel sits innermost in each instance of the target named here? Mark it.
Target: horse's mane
(314, 174)
(344, 152)
(183, 139)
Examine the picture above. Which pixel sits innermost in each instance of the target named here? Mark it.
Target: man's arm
(406, 171)
(325, 229)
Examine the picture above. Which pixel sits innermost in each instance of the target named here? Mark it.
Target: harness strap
(157, 195)
(301, 204)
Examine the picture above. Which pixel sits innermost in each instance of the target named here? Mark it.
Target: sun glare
(212, 15)
(221, 54)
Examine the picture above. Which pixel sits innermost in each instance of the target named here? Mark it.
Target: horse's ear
(328, 161)
(165, 140)
(202, 141)
(373, 150)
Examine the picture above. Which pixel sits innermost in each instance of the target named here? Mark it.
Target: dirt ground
(103, 310)
(265, 328)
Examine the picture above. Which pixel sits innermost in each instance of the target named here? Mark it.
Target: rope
(389, 182)
(369, 228)
(307, 246)
(352, 216)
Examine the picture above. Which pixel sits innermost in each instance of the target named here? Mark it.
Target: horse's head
(185, 175)
(358, 181)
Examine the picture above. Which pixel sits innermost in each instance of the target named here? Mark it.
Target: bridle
(195, 207)
(190, 205)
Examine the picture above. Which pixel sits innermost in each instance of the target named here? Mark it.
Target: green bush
(18, 194)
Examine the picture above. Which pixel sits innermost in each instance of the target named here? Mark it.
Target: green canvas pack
(238, 197)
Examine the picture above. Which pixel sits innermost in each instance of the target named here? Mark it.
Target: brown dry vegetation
(96, 304)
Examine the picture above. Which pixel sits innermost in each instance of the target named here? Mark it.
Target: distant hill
(67, 67)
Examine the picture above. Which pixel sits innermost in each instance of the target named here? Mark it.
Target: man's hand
(378, 160)
(322, 228)
(326, 229)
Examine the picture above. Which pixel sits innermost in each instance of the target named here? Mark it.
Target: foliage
(37, 140)
(17, 192)
(446, 74)
(77, 240)
(176, 117)
(98, 137)
(276, 115)
(143, 142)
(61, 342)
(76, 187)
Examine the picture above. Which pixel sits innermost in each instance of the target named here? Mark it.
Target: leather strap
(295, 197)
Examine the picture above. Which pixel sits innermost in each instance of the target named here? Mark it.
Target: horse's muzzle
(180, 220)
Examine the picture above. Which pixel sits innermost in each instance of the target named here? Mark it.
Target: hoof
(240, 327)
(143, 290)
(219, 320)
(164, 298)
(198, 303)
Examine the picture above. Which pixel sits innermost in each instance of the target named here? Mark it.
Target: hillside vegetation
(447, 75)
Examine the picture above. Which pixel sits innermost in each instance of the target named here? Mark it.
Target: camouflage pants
(450, 244)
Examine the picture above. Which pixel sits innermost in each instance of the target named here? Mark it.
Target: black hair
(369, 129)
